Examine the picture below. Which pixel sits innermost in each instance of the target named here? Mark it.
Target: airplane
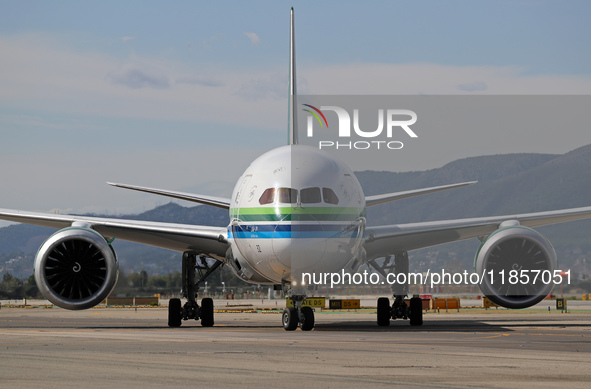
(296, 209)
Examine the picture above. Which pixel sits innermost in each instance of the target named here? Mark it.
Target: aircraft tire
(416, 312)
(207, 312)
(383, 312)
(308, 315)
(174, 313)
(290, 319)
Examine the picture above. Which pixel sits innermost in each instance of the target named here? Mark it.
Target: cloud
(432, 79)
(254, 38)
(136, 78)
(476, 86)
(41, 76)
(201, 81)
(127, 38)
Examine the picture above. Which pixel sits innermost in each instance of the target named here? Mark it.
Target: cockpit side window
(267, 197)
(287, 195)
(329, 196)
(310, 196)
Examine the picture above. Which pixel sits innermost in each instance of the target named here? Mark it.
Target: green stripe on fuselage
(298, 213)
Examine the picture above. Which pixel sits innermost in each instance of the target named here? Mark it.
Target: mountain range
(507, 183)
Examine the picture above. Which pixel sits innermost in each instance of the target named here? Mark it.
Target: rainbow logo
(315, 115)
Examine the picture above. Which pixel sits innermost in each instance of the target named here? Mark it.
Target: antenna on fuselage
(292, 108)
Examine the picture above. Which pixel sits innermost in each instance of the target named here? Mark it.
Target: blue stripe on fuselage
(296, 231)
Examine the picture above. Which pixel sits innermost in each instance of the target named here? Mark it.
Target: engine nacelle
(510, 259)
(76, 268)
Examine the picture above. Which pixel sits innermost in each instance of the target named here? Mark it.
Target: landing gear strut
(192, 310)
(399, 310)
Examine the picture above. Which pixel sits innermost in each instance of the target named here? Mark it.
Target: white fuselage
(295, 210)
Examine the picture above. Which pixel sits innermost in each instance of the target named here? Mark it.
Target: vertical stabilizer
(292, 109)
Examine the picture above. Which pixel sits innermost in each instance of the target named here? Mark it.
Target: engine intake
(76, 268)
(510, 259)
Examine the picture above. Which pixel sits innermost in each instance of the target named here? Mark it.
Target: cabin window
(329, 196)
(267, 197)
(310, 196)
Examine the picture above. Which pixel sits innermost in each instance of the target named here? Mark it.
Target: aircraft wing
(179, 237)
(385, 240)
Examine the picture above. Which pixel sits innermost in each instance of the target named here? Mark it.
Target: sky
(183, 95)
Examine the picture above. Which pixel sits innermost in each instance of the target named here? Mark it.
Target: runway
(128, 348)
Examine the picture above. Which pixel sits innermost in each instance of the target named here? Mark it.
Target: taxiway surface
(135, 348)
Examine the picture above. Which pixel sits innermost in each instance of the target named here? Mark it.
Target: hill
(509, 183)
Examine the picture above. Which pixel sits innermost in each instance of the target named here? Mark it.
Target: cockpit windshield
(313, 195)
(287, 195)
(310, 196)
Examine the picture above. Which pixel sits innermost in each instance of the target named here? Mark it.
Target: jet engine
(518, 265)
(76, 268)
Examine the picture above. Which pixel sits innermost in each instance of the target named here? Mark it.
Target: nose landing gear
(298, 315)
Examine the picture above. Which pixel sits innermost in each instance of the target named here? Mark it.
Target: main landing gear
(192, 310)
(298, 315)
(399, 309)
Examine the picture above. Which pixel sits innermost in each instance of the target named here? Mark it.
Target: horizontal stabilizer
(384, 198)
(209, 200)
